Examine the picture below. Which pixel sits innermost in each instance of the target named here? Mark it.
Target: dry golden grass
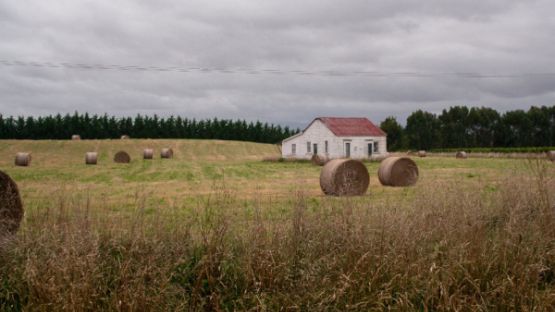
(241, 234)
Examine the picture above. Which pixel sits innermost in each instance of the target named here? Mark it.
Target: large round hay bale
(319, 160)
(551, 155)
(76, 137)
(398, 171)
(422, 154)
(461, 155)
(91, 158)
(344, 177)
(122, 157)
(166, 153)
(148, 153)
(125, 137)
(23, 159)
(11, 208)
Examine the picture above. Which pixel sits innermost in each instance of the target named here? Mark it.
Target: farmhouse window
(308, 147)
(376, 150)
(293, 149)
(326, 147)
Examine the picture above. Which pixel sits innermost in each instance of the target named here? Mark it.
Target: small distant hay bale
(91, 158)
(551, 155)
(319, 160)
(23, 159)
(125, 137)
(148, 153)
(344, 177)
(398, 171)
(11, 207)
(122, 157)
(76, 137)
(422, 154)
(166, 153)
(461, 155)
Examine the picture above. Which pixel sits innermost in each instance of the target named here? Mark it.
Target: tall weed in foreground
(456, 246)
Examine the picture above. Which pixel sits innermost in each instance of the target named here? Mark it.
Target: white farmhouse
(333, 137)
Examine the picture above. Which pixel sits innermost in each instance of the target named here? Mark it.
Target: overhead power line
(271, 71)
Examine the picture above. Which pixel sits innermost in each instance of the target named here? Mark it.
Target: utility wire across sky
(263, 71)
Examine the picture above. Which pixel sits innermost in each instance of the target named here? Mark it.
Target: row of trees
(456, 127)
(460, 126)
(105, 127)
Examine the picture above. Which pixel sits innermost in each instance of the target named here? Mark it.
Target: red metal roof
(351, 126)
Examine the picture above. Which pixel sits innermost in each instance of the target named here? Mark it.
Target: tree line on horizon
(456, 127)
(58, 127)
(463, 127)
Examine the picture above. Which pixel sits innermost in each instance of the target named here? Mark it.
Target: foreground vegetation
(217, 229)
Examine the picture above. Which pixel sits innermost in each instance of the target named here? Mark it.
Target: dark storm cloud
(492, 37)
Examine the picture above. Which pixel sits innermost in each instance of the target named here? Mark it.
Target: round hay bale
(551, 155)
(461, 155)
(319, 160)
(122, 157)
(125, 137)
(344, 177)
(91, 158)
(422, 154)
(398, 171)
(166, 153)
(23, 159)
(148, 153)
(76, 137)
(11, 208)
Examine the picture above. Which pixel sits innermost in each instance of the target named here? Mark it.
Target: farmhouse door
(370, 149)
(315, 149)
(348, 149)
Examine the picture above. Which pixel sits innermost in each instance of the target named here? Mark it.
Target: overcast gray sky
(490, 37)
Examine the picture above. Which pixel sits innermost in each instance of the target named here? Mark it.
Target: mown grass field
(198, 167)
(216, 228)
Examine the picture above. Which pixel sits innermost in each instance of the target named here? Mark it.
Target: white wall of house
(298, 146)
